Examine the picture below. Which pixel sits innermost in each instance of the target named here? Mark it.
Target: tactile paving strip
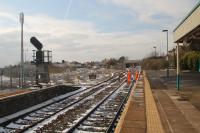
(154, 124)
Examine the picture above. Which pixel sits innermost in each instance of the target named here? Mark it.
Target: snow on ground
(17, 114)
(16, 126)
(31, 130)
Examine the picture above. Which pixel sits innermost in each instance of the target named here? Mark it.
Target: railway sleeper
(103, 123)
(92, 128)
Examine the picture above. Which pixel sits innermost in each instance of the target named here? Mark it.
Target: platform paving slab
(133, 119)
(191, 113)
(174, 121)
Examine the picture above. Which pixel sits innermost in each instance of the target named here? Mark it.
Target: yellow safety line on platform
(154, 124)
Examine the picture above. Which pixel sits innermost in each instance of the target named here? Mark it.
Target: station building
(131, 63)
(188, 33)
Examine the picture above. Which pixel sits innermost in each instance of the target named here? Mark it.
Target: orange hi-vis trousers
(128, 77)
(136, 75)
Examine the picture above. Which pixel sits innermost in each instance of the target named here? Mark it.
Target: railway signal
(41, 58)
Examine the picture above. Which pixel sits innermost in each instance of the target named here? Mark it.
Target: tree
(122, 59)
(112, 62)
(63, 61)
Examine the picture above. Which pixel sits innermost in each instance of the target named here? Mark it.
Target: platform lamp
(167, 55)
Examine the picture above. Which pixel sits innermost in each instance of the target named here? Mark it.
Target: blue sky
(106, 17)
(85, 30)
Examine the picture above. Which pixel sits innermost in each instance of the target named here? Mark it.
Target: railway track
(67, 119)
(103, 117)
(37, 120)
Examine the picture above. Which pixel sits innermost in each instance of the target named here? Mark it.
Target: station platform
(157, 111)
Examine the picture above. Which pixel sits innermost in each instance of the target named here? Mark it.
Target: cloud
(72, 40)
(84, 41)
(146, 9)
(69, 4)
(7, 16)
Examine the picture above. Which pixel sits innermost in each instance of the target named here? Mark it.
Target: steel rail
(92, 111)
(119, 111)
(39, 121)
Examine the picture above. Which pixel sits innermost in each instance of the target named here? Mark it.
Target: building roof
(188, 25)
(187, 16)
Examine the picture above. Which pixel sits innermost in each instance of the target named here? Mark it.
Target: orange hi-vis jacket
(136, 75)
(129, 77)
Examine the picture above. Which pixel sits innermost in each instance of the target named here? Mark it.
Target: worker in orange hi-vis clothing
(136, 75)
(129, 77)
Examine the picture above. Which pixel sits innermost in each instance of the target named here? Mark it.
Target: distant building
(130, 63)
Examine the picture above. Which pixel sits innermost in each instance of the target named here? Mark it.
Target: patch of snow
(32, 118)
(92, 127)
(16, 126)
(19, 113)
(2, 130)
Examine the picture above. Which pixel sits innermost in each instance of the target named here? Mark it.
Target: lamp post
(21, 17)
(155, 50)
(167, 55)
(177, 68)
(199, 64)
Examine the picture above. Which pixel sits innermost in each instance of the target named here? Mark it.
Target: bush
(190, 60)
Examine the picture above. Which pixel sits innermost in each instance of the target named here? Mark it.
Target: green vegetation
(190, 61)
